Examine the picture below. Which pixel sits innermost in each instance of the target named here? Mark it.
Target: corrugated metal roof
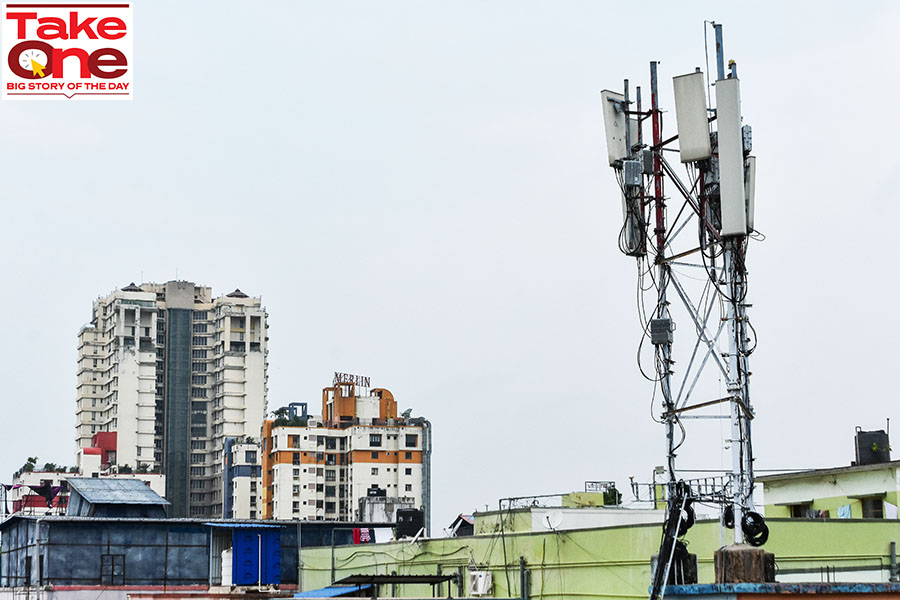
(98, 490)
(332, 591)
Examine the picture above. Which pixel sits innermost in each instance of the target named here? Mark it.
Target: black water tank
(872, 447)
(409, 522)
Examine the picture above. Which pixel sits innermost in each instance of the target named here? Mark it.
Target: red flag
(356, 535)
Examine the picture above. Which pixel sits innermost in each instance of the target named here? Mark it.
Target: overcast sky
(419, 192)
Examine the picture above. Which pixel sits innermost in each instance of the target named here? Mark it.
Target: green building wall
(831, 505)
(610, 562)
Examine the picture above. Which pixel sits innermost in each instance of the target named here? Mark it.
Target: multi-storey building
(321, 469)
(174, 372)
(243, 479)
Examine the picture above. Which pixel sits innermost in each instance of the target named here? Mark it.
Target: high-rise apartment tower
(174, 372)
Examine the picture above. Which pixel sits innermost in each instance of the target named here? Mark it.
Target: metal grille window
(375, 439)
(112, 569)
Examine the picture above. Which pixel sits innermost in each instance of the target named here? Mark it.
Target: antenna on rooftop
(698, 280)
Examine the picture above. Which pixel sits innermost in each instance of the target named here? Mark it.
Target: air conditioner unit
(480, 583)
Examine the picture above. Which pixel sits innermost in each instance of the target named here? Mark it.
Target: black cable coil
(756, 532)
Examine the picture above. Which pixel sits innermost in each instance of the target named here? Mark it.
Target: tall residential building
(321, 468)
(243, 486)
(174, 372)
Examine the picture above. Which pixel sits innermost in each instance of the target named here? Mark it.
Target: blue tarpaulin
(332, 591)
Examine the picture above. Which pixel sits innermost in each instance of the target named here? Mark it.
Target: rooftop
(830, 471)
(115, 491)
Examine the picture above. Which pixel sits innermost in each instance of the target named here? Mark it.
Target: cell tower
(701, 281)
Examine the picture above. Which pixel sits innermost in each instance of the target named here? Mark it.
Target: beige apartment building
(360, 452)
(174, 371)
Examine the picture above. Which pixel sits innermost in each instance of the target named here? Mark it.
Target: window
(408, 487)
(198, 445)
(329, 475)
(199, 327)
(409, 456)
(296, 472)
(374, 455)
(198, 353)
(198, 471)
(329, 507)
(252, 487)
(412, 441)
(198, 379)
(198, 392)
(330, 443)
(197, 459)
(408, 471)
(374, 470)
(801, 511)
(198, 341)
(199, 366)
(112, 569)
(329, 491)
(250, 456)
(873, 508)
(375, 439)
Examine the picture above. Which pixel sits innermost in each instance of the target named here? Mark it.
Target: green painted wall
(601, 563)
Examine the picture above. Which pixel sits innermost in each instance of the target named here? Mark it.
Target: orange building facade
(358, 448)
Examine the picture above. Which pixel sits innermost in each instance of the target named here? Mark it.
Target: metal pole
(629, 142)
(733, 386)
(720, 52)
(893, 577)
(662, 304)
(523, 592)
(637, 94)
(299, 561)
(259, 564)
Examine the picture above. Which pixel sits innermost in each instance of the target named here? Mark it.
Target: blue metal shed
(256, 553)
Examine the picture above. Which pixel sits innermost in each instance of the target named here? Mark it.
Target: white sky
(419, 192)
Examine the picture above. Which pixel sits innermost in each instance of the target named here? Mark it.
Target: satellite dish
(553, 519)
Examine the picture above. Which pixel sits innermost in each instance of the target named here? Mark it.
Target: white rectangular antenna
(731, 157)
(691, 117)
(614, 122)
(750, 190)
